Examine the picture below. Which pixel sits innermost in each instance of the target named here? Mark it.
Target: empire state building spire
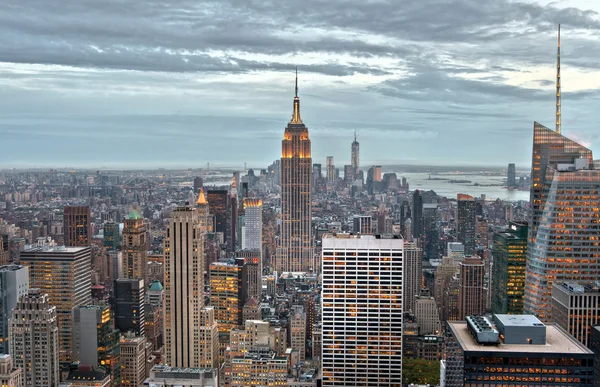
(296, 115)
(558, 107)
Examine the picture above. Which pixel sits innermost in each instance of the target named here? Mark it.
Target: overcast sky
(182, 82)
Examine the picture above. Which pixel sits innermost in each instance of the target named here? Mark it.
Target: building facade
(14, 283)
(10, 376)
(413, 278)
(129, 299)
(133, 361)
(77, 226)
(576, 308)
(472, 296)
(466, 220)
(135, 247)
(362, 336)
(253, 224)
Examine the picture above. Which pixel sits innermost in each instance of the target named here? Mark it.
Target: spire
(296, 115)
(354, 135)
(201, 198)
(558, 112)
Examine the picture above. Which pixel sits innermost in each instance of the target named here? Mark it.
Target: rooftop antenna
(558, 112)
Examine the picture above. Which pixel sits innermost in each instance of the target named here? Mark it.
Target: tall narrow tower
(558, 113)
(355, 157)
(295, 245)
(135, 247)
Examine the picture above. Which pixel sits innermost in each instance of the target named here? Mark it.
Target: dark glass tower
(417, 214)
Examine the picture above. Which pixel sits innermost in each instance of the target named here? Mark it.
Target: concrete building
(10, 376)
(298, 330)
(95, 340)
(33, 340)
(88, 378)
(77, 226)
(166, 376)
(472, 295)
(295, 250)
(427, 315)
(413, 278)
(362, 337)
(191, 332)
(363, 224)
(64, 273)
(330, 169)
(14, 283)
(259, 368)
(252, 264)
(133, 361)
(518, 347)
(135, 247)
(576, 308)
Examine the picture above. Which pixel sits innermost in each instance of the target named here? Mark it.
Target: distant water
(492, 186)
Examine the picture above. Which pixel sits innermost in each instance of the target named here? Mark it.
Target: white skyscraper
(252, 234)
(362, 310)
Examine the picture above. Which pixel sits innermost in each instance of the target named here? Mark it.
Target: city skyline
(134, 87)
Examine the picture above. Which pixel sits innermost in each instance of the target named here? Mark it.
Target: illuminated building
(295, 251)
(129, 305)
(355, 158)
(133, 361)
(219, 206)
(465, 222)
(508, 273)
(191, 334)
(472, 300)
(563, 237)
(135, 247)
(518, 350)
(362, 310)
(10, 376)
(413, 278)
(33, 340)
(417, 214)
(112, 235)
(330, 169)
(259, 368)
(14, 283)
(576, 308)
(253, 277)
(77, 226)
(298, 330)
(64, 273)
(95, 341)
(252, 234)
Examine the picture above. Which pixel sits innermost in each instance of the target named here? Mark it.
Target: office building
(259, 368)
(515, 350)
(191, 333)
(511, 176)
(413, 277)
(348, 174)
(563, 234)
(112, 235)
(227, 293)
(219, 207)
(14, 283)
(253, 225)
(355, 157)
(417, 214)
(257, 335)
(133, 361)
(595, 347)
(443, 276)
(472, 296)
(330, 169)
(135, 247)
(431, 240)
(576, 308)
(466, 219)
(95, 340)
(64, 273)
(129, 299)
(362, 337)
(77, 226)
(295, 252)
(363, 224)
(508, 273)
(427, 315)
(10, 376)
(298, 330)
(88, 378)
(4, 251)
(252, 264)
(33, 340)
(166, 376)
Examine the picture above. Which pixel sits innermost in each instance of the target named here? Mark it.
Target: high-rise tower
(558, 107)
(134, 247)
(355, 157)
(77, 226)
(295, 245)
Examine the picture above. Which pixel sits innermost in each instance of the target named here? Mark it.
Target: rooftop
(557, 341)
(524, 320)
(133, 215)
(55, 249)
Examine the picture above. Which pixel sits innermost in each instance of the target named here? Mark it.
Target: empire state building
(295, 250)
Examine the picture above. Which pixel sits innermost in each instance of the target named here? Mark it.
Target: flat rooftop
(524, 320)
(557, 341)
(55, 249)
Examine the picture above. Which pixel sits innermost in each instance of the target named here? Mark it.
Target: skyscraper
(14, 283)
(575, 308)
(472, 300)
(64, 273)
(565, 222)
(191, 333)
(135, 247)
(330, 169)
(77, 226)
(10, 376)
(295, 244)
(508, 273)
(417, 214)
(226, 294)
(355, 157)
(431, 240)
(511, 176)
(413, 258)
(34, 339)
(129, 305)
(252, 234)
(133, 361)
(112, 237)
(218, 203)
(466, 220)
(362, 335)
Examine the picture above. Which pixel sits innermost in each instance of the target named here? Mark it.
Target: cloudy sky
(182, 82)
